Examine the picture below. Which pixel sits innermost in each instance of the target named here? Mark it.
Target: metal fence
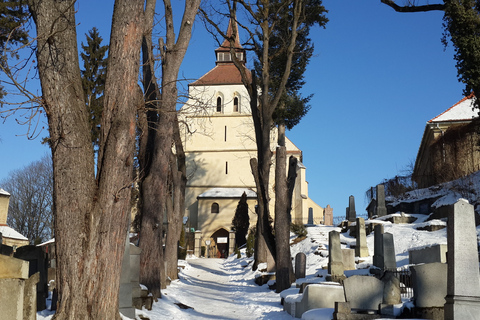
(405, 276)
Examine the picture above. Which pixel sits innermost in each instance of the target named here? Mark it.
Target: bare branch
(411, 7)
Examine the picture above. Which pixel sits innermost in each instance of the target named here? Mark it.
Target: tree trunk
(162, 131)
(91, 213)
(283, 262)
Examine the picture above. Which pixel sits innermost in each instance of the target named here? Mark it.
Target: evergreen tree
(241, 221)
(12, 17)
(462, 24)
(93, 79)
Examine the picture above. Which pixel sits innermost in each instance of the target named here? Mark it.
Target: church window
(235, 104)
(225, 133)
(215, 208)
(219, 104)
(239, 55)
(224, 56)
(226, 167)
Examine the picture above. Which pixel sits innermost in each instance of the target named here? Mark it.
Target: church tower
(219, 141)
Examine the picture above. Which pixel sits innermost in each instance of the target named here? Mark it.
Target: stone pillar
(197, 251)
(300, 265)
(378, 246)
(381, 209)
(231, 242)
(351, 213)
(463, 286)
(328, 216)
(389, 258)
(361, 248)
(335, 256)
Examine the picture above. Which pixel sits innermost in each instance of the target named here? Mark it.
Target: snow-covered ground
(225, 288)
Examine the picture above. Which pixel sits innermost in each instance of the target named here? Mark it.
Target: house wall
(449, 151)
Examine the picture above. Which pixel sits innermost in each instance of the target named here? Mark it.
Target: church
(219, 141)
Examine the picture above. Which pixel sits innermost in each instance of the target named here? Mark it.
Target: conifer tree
(93, 79)
(12, 17)
(241, 221)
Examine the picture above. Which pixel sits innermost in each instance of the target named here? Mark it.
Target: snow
(225, 288)
(462, 110)
(4, 192)
(227, 193)
(8, 232)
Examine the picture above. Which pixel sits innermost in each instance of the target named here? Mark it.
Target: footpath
(217, 289)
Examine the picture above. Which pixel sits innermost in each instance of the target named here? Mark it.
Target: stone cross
(463, 286)
(361, 248)
(381, 209)
(300, 265)
(351, 213)
(335, 256)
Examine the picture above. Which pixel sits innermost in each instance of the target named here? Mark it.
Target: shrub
(298, 229)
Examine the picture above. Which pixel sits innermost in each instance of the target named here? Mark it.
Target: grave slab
(363, 292)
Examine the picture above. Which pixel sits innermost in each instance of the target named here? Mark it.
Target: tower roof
(225, 72)
(226, 43)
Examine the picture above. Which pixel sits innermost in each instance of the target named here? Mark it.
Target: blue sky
(377, 77)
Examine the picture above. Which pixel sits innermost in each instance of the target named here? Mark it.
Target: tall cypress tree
(93, 79)
(241, 221)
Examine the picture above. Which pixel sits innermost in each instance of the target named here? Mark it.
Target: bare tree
(295, 16)
(30, 208)
(91, 207)
(162, 173)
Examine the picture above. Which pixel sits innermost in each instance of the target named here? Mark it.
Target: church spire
(223, 52)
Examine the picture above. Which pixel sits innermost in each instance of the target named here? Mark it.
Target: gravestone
(335, 256)
(432, 254)
(389, 258)
(328, 216)
(30, 297)
(351, 213)
(300, 265)
(348, 259)
(13, 275)
(361, 248)
(381, 209)
(429, 282)
(378, 246)
(363, 292)
(125, 301)
(310, 216)
(38, 262)
(463, 286)
(391, 289)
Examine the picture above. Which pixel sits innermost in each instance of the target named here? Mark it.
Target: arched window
(219, 104)
(235, 104)
(215, 208)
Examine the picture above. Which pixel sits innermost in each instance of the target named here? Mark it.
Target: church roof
(461, 111)
(227, 193)
(222, 74)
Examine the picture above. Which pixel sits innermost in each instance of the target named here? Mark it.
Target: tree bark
(91, 213)
(161, 168)
(283, 262)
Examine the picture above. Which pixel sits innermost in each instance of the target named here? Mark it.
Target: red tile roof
(222, 74)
